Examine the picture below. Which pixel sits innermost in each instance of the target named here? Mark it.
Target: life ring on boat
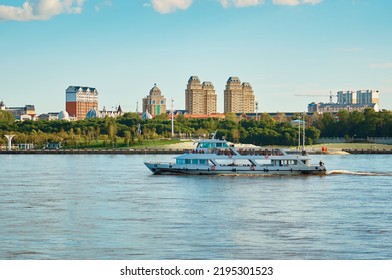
(230, 155)
(213, 167)
(266, 155)
(252, 167)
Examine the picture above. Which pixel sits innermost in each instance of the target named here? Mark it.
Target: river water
(111, 207)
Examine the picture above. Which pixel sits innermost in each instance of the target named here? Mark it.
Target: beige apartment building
(155, 102)
(238, 98)
(200, 98)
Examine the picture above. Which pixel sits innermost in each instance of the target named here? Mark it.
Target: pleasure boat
(218, 157)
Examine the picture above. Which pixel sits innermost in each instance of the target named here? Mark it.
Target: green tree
(6, 117)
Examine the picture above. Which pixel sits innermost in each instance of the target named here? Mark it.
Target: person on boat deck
(321, 163)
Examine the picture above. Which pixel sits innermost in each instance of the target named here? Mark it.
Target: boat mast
(299, 133)
(303, 136)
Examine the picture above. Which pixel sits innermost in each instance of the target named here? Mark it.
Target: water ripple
(111, 207)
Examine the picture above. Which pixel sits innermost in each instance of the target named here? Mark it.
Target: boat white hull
(173, 169)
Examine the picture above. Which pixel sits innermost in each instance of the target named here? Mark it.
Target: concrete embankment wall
(171, 152)
(375, 140)
(122, 151)
(369, 151)
(95, 152)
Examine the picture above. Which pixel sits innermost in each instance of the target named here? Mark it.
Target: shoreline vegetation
(131, 132)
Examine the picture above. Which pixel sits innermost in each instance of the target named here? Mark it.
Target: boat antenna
(214, 134)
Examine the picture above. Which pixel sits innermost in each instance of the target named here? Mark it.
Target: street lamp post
(9, 138)
(172, 118)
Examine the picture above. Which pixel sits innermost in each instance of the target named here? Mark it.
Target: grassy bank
(177, 144)
(120, 144)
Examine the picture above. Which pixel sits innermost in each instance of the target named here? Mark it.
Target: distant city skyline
(286, 49)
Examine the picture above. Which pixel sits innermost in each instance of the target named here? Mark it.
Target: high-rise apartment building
(238, 98)
(349, 101)
(368, 97)
(346, 97)
(358, 97)
(80, 100)
(155, 102)
(210, 98)
(200, 99)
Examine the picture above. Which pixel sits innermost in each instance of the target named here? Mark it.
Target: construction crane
(318, 95)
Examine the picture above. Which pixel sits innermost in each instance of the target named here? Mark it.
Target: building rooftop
(208, 84)
(234, 79)
(93, 113)
(155, 90)
(77, 88)
(146, 115)
(194, 79)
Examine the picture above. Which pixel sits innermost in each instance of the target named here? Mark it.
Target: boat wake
(358, 173)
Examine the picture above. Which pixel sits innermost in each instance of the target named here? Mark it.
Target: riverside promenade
(94, 151)
(162, 151)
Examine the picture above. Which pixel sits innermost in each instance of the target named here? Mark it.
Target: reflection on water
(111, 207)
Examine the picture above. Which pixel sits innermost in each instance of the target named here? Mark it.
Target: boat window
(187, 161)
(180, 161)
(195, 161)
(203, 161)
(206, 145)
(219, 145)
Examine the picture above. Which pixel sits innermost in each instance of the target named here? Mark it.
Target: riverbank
(186, 146)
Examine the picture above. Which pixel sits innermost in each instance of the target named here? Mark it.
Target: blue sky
(287, 49)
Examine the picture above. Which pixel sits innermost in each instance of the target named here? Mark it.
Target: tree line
(355, 124)
(130, 129)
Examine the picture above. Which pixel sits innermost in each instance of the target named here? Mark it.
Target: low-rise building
(26, 112)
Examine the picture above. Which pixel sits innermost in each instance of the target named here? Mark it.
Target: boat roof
(210, 141)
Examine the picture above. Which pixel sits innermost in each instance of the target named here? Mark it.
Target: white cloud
(295, 2)
(40, 9)
(105, 3)
(313, 2)
(169, 6)
(240, 3)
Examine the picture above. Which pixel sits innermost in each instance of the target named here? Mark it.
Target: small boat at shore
(218, 157)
